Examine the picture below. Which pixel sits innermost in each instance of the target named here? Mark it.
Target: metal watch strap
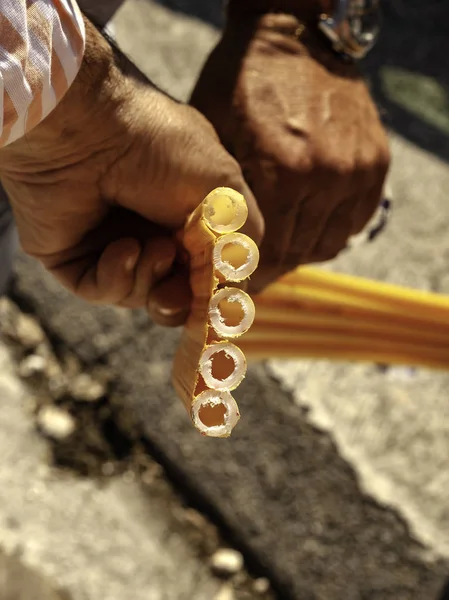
(352, 26)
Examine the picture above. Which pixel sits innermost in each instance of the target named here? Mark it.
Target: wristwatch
(352, 26)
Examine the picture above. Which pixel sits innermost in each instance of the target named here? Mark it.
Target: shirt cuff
(41, 50)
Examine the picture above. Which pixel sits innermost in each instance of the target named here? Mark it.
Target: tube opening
(222, 366)
(225, 210)
(231, 312)
(236, 256)
(215, 414)
(212, 415)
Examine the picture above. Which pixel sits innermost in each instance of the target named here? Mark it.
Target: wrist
(286, 33)
(335, 35)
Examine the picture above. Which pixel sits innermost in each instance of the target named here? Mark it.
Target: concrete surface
(83, 508)
(167, 46)
(19, 582)
(394, 427)
(334, 515)
(108, 542)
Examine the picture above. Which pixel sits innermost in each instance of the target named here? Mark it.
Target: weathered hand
(305, 131)
(99, 187)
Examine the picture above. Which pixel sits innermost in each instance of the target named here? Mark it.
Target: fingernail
(165, 311)
(169, 302)
(163, 268)
(130, 262)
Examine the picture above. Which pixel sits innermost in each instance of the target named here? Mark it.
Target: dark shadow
(408, 70)
(445, 592)
(18, 581)
(409, 73)
(209, 11)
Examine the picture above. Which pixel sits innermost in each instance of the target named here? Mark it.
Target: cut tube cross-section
(207, 365)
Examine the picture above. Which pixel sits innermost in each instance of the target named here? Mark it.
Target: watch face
(353, 27)
(363, 22)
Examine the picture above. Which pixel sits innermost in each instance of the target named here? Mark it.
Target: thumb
(255, 224)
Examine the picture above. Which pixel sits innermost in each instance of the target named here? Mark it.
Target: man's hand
(101, 185)
(305, 131)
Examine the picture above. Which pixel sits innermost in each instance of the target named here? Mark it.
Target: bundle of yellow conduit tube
(308, 313)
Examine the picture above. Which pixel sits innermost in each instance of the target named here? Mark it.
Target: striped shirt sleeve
(41, 50)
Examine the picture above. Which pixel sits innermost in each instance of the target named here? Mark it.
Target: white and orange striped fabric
(41, 50)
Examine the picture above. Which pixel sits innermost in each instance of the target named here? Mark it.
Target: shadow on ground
(409, 74)
(210, 11)
(19, 582)
(408, 69)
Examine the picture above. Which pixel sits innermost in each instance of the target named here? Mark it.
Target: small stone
(56, 422)
(193, 517)
(5, 305)
(9, 313)
(225, 593)
(86, 389)
(261, 585)
(226, 562)
(32, 365)
(128, 477)
(29, 333)
(70, 363)
(108, 469)
(57, 384)
(54, 370)
(151, 473)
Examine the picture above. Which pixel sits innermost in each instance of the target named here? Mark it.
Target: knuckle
(257, 223)
(229, 174)
(230, 167)
(384, 159)
(296, 163)
(342, 166)
(375, 160)
(383, 153)
(368, 163)
(329, 254)
(376, 166)
(328, 251)
(289, 157)
(331, 161)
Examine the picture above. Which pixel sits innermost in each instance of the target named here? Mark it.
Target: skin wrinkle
(75, 232)
(359, 171)
(350, 206)
(302, 108)
(294, 223)
(293, 227)
(326, 246)
(327, 112)
(30, 171)
(268, 102)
